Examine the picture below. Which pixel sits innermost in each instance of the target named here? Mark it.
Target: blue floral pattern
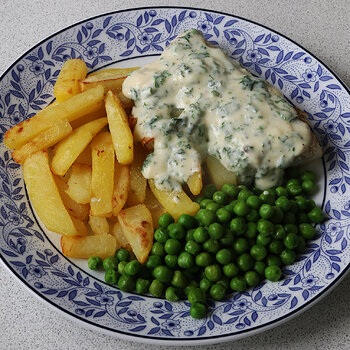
(27, 249)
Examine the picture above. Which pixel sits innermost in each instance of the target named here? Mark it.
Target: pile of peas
(239, 237)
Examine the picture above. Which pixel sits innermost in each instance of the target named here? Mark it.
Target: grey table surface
(321, 26)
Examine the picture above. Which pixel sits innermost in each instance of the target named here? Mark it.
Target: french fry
(79, 211)
(99, 113)
(154, 207)
(138, 184)
(195, 183)
(121, 187)
(175, 203)
(148, 143)
(136, 223)
(102, 246)
(120, 129)
(102, 179)
(118, 233)
(98, 225)
(67, 150)
(74, 108)
(79, 183)
(44, 140)
(110, 79)
(218, 174)
(46, 198)
(126, 102)
(67, 83)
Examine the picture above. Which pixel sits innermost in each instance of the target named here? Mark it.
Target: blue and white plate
(136, 37)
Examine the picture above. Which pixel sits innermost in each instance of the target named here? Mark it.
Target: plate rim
(175, 341)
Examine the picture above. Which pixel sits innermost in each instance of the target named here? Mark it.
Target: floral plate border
(26, 249)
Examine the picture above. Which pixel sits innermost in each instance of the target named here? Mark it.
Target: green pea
(217, 291)
(187, 221)
(165, 220)
(267, 197)
(126, 283)
(238, 284)
(265, 227)
(259, 267)
(281, 191)
(288, 256)
(162, 273)
(307, 231)
(276, 246)
(213, 207)
(211, 245)
(185, 260)
(121, 267)
(238, 226)
(245, 262)
(171, 260)
(279, 232)
(316, 215)
(176, 231)
(172, 246)
(215, 230)
(213, 273)
(263, 239)
(205, 202)
(209, 190)
(258, 252)
(283, 203)
(243, 195)
(295, 190)
(301, 202)
(94, 262)
(273, 260)
(225, 282)
(156, 288)
(273, 273)
(289, 218)
(199, 200)
(252, 278)
(200, 235)
(253, 215)
(310, 204)
(170, 294)
(205, 217)
(302, 218)
(196, 295)
(111, 276)
(290, 228)
(205, 284)
(292, 182)
(192, 247)
(229, 207)
(251, 230)
(189, 235)
(203, 259)
(122, 255)
(230, 190)
(241, 246)
(241, 208)
(158, 249)
(220, 197)
(308, 187)
(223, 256)
(161, 235)
(291, 241)
(191, 285)
(266, 211)
(179, 280)
(301, 244)
(230, 270)
(132, 268)
(308, 176)
(253, 202)
(198, 310)
(277, 215)
(223, 215)
(294, 208)
(142, 286)
(153, 261)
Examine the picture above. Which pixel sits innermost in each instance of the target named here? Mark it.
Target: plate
(134, 37)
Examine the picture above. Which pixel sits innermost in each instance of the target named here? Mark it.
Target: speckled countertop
(320, 26)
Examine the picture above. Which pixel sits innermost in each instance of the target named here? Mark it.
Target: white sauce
(196, 101)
